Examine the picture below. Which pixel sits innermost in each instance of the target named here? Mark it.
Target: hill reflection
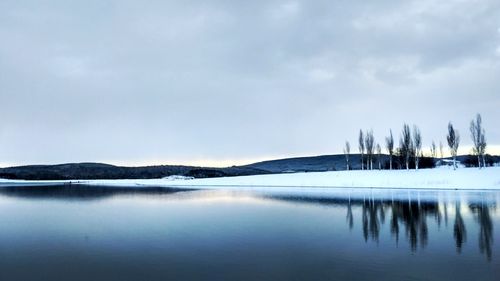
(81, 192)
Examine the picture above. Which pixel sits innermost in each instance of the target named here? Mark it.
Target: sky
(221, 82)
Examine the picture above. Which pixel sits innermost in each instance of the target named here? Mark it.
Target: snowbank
(439, 178)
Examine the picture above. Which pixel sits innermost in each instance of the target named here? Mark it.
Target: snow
(438, 178)
(177, 177)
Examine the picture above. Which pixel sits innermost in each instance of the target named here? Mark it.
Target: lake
(98, 233)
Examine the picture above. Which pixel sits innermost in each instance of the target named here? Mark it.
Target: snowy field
(439, 178)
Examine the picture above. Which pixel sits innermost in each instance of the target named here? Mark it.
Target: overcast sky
(220, 82)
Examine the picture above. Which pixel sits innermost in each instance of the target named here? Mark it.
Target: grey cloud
(129, 81)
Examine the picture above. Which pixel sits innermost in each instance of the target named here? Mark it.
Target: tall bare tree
(433, 150)
(453, 139)
(475, 133)
(347, 151)
(417, 145)
(379, 156)
(478, 138)
(369, 144)
(441, 150)
(389, 145)
(482, 147)
(361, 146)
(405, 145)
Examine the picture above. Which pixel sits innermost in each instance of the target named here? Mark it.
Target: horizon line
(205, 163)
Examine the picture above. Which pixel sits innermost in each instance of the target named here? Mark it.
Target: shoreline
(433, 179)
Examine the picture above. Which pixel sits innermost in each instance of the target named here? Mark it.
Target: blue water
(91, 233)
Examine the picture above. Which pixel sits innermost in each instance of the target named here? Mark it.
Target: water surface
(92, 233)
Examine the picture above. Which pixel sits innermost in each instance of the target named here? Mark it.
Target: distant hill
(311, 164)
(338, 163)
(105, 171)
(84, 171)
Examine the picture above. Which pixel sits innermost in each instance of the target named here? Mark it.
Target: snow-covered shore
(439, 178)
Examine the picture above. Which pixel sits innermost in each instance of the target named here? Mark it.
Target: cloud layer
(183, 81)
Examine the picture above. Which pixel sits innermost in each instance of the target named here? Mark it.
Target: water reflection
(483, 217)
(80, 192)
(349, 216)
(459, 231)
(409, 218)
(412, 217)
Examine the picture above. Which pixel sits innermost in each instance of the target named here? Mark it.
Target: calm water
(78, 233)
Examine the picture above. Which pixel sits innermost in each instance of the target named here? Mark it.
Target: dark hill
(311, 164)
(338, 163)
(104, 171)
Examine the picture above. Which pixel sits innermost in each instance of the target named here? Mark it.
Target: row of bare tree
(410, 146)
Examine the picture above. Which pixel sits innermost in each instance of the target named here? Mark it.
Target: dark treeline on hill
(471, 160)
(424, 163)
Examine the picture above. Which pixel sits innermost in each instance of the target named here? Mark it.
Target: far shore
(437, 178)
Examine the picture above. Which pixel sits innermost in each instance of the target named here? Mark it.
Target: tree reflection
(459, 231)
(371, 219)
(411, 215)
(349, 216)
(411, 218)
(394, 223)
(482, 216)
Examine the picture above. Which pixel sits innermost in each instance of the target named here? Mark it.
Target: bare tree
(433, 150)
(482, 147)
(389, 145)
(369, 144)
(476, 132)
(453, 139)
(405, 145)
(347, 151)
(361, 147)
(417, 145)
(441, 149)
(379, 156)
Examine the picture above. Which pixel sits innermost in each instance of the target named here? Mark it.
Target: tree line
(410, 153)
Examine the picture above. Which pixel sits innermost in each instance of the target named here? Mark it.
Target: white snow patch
(177, 177)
